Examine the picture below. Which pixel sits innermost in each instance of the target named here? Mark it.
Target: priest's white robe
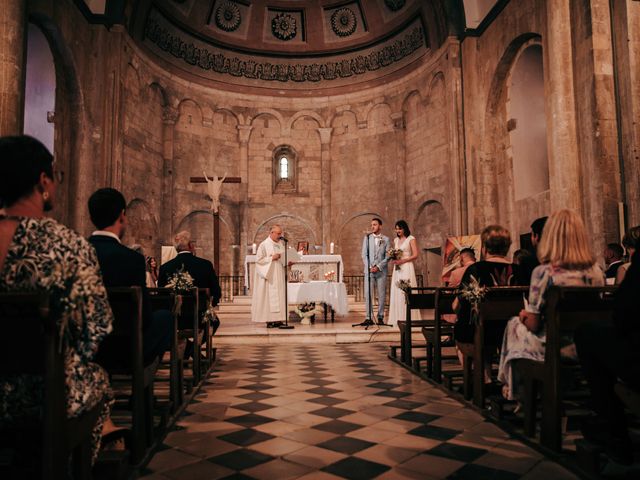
(268, 304)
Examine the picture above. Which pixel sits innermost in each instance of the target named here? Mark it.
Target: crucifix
(214, 185)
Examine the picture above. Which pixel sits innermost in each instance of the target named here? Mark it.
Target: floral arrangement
(209, 315)
(395, 254)
(403, 285)
(181, 282)
(474, 293)
(305, 311)
(330, 276)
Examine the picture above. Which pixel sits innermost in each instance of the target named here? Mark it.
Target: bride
(403, 270)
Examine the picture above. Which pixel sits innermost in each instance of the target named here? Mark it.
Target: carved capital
(170, 115)
(325, 135)
(243, 133)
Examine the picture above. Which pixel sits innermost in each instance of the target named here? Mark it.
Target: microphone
(283, 239)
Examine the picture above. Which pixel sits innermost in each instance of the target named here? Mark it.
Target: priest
(268, 303)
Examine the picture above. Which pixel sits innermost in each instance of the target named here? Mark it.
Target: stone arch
(200, 225)
(188, 109)
(412, 96)
(160, 90)
(431, 227)
(379, 116)
(344, 122)
(227, 112)
(266, 114)
(494, 198)
(349, 239)
(305, 113)
(70, 119)
(143, 227)
(296, 228)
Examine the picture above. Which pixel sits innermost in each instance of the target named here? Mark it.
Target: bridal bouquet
(474, 293)
(395, 254)
(181, 282)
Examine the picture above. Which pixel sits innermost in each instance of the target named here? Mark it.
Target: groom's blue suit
(378, 246)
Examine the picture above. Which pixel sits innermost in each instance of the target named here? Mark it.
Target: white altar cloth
(336, 259)
(333, 294)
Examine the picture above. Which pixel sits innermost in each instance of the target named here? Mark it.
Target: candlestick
(254, 248)
(331, 245)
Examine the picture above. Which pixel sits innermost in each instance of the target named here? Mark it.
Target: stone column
(562, 139)
(325, 186)
(244, 132)
(169, 118)
(401, 172)
(12, 66)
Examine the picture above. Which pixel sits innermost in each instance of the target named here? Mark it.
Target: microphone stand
(367, 323)
(286, 325)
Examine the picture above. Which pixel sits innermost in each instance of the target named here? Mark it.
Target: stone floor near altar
(329, 412)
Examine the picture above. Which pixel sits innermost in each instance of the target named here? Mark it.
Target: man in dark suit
(529, 263)
(201, 270)
(613, 254)
(123, 267)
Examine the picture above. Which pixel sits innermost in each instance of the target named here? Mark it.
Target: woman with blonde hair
(566, 259)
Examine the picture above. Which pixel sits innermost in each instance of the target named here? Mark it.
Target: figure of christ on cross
(215, 191)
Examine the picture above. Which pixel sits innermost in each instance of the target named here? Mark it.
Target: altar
(310, 267)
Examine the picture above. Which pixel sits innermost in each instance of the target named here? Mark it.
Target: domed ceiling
(291, 45)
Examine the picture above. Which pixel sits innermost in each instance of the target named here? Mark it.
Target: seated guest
(566, 259)
(521, 256)
(123, 267)
(528, 263)
(39, 254)
(152, 272)
(467, 257)
(493, 270)
(201, 270)
(613, 254)
(629, 242)
(608, 351)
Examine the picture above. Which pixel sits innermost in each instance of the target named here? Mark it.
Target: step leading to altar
(236, 328)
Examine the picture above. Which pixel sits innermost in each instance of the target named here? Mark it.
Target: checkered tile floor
(329, 412)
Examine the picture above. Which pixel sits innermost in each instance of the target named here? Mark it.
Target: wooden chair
(204, 299)
(29, 345)
(164, 299)
(498, 306)
(417, 298)
(121, 354)
(566, 308)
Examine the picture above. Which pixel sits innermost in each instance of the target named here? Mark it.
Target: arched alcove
(295, 228)
(199, 224)
(432, 226)
(528, 124)
(350, 239)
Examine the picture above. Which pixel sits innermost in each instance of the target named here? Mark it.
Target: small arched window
(284, 169)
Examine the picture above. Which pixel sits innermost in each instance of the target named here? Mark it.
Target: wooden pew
(204, 299)
(433, 335)
(29, 346)
(121, 354)
(164, 299)
(417, 298)
(497, 308)
(566, 308)
(189, 326)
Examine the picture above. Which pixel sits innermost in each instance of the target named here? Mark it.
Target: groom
(374, 255)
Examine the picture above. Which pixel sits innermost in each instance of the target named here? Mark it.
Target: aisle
(334, 411)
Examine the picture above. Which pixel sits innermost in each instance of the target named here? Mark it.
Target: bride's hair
(405, 228)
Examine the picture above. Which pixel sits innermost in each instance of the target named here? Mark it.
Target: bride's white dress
(406, 271)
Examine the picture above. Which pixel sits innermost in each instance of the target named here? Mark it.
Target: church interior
(321, 115)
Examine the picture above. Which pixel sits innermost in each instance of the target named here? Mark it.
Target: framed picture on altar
(303, 247)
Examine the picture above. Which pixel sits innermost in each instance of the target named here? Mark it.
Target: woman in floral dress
(37, 254)
(567, 260)
(403, 269)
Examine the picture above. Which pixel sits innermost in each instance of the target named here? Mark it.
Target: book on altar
(292, 256)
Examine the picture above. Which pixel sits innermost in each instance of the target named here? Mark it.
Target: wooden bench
(418, 298)
(565, 309)
(164, 299)
(189, 327)
(496, 309)
(433, 335)
(29, 345)
(121, 354)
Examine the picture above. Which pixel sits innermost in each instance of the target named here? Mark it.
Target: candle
(254, 248)
(331, 245)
